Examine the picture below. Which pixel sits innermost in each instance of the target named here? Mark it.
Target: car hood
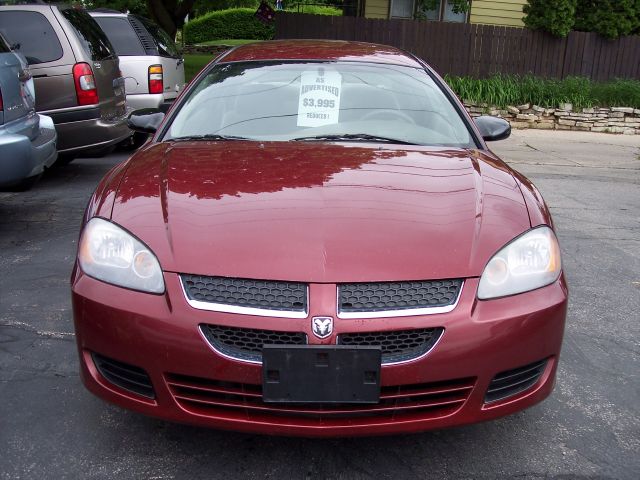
(320, 212)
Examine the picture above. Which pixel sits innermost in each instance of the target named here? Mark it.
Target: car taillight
(86, 90)
(155, 79)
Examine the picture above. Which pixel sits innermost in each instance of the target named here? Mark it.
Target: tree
(138, 7)
(554, 16)
(609, 18)
(170, 14)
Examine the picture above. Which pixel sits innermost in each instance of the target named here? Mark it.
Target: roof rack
(103, 10)
(23, 2)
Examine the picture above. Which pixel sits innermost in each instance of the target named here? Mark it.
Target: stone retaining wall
(609, 120)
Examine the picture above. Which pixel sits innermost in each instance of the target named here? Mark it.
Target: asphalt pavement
(50, 427)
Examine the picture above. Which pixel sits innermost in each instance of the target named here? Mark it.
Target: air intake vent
(128, 377)
(512, 382)
(245, 293)
(417, 402)
(246, 343)
(396, 296)
(397, 345)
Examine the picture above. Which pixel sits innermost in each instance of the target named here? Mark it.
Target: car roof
(106, 13)
(321, 50)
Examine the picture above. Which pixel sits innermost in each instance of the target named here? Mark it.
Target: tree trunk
(169, 14)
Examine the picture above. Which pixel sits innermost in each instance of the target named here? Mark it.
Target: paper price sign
(319, 102)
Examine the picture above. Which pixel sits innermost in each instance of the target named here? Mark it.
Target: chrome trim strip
(260, 312)
(396, 313)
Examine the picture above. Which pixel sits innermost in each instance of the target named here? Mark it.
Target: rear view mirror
(146, 120)
(493, 128)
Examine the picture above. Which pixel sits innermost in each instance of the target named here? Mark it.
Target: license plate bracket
(321, 374)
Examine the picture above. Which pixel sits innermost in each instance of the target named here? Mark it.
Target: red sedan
(317, 241)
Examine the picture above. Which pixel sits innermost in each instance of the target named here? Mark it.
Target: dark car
(318, 241)
(75, 69)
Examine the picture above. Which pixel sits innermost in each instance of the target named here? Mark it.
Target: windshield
(314, 100)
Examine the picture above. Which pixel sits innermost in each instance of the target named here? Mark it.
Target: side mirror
(146, 120)
(493, 128)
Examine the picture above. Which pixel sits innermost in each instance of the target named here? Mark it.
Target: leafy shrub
(554, 16)
(609, 18)
(504, 90)
(232, 23)
(315, 10)
(200, 7)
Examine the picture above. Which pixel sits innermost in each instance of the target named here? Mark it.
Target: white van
(150, 62)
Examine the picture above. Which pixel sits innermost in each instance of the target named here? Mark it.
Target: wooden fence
(479, 50)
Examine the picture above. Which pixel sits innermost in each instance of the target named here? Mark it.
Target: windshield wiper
(208, 136)
(353, 136)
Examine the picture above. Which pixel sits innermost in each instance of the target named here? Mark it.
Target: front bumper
(22, 157)
(160, 334)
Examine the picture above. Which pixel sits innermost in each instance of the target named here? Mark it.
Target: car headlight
(530, 261)
(109, 253)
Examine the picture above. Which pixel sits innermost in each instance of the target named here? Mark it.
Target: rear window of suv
(166, 45)
(122, 35)
(32, 35)
(89, 33)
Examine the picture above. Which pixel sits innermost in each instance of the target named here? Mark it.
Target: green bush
(554, 16)
(315, 10)
(504, 90)
(200, 7)
(232, 23)
(609, 18)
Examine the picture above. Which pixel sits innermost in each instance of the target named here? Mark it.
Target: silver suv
(27, 140)
(151, 64)
(76, 74)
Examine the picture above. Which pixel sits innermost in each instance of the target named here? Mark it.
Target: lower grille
(246, 343)
(398, 345)
(411, 402)
(512, 382)
(129, 377)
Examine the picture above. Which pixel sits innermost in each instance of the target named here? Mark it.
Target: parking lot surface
(50, 427)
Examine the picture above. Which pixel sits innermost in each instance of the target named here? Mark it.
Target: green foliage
(316, 10)
(609, 18)
(504, 90)
(459, 6)
(194, 63)
(201, 7)
(554, 16)
(138, 7)
(232, 23)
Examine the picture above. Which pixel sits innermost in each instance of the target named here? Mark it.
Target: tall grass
(504, 90)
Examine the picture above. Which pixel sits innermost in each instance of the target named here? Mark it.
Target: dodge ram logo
(322, 327)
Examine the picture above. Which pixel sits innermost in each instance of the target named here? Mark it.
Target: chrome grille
(246, 343)
(396, 296)
(266, 295)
